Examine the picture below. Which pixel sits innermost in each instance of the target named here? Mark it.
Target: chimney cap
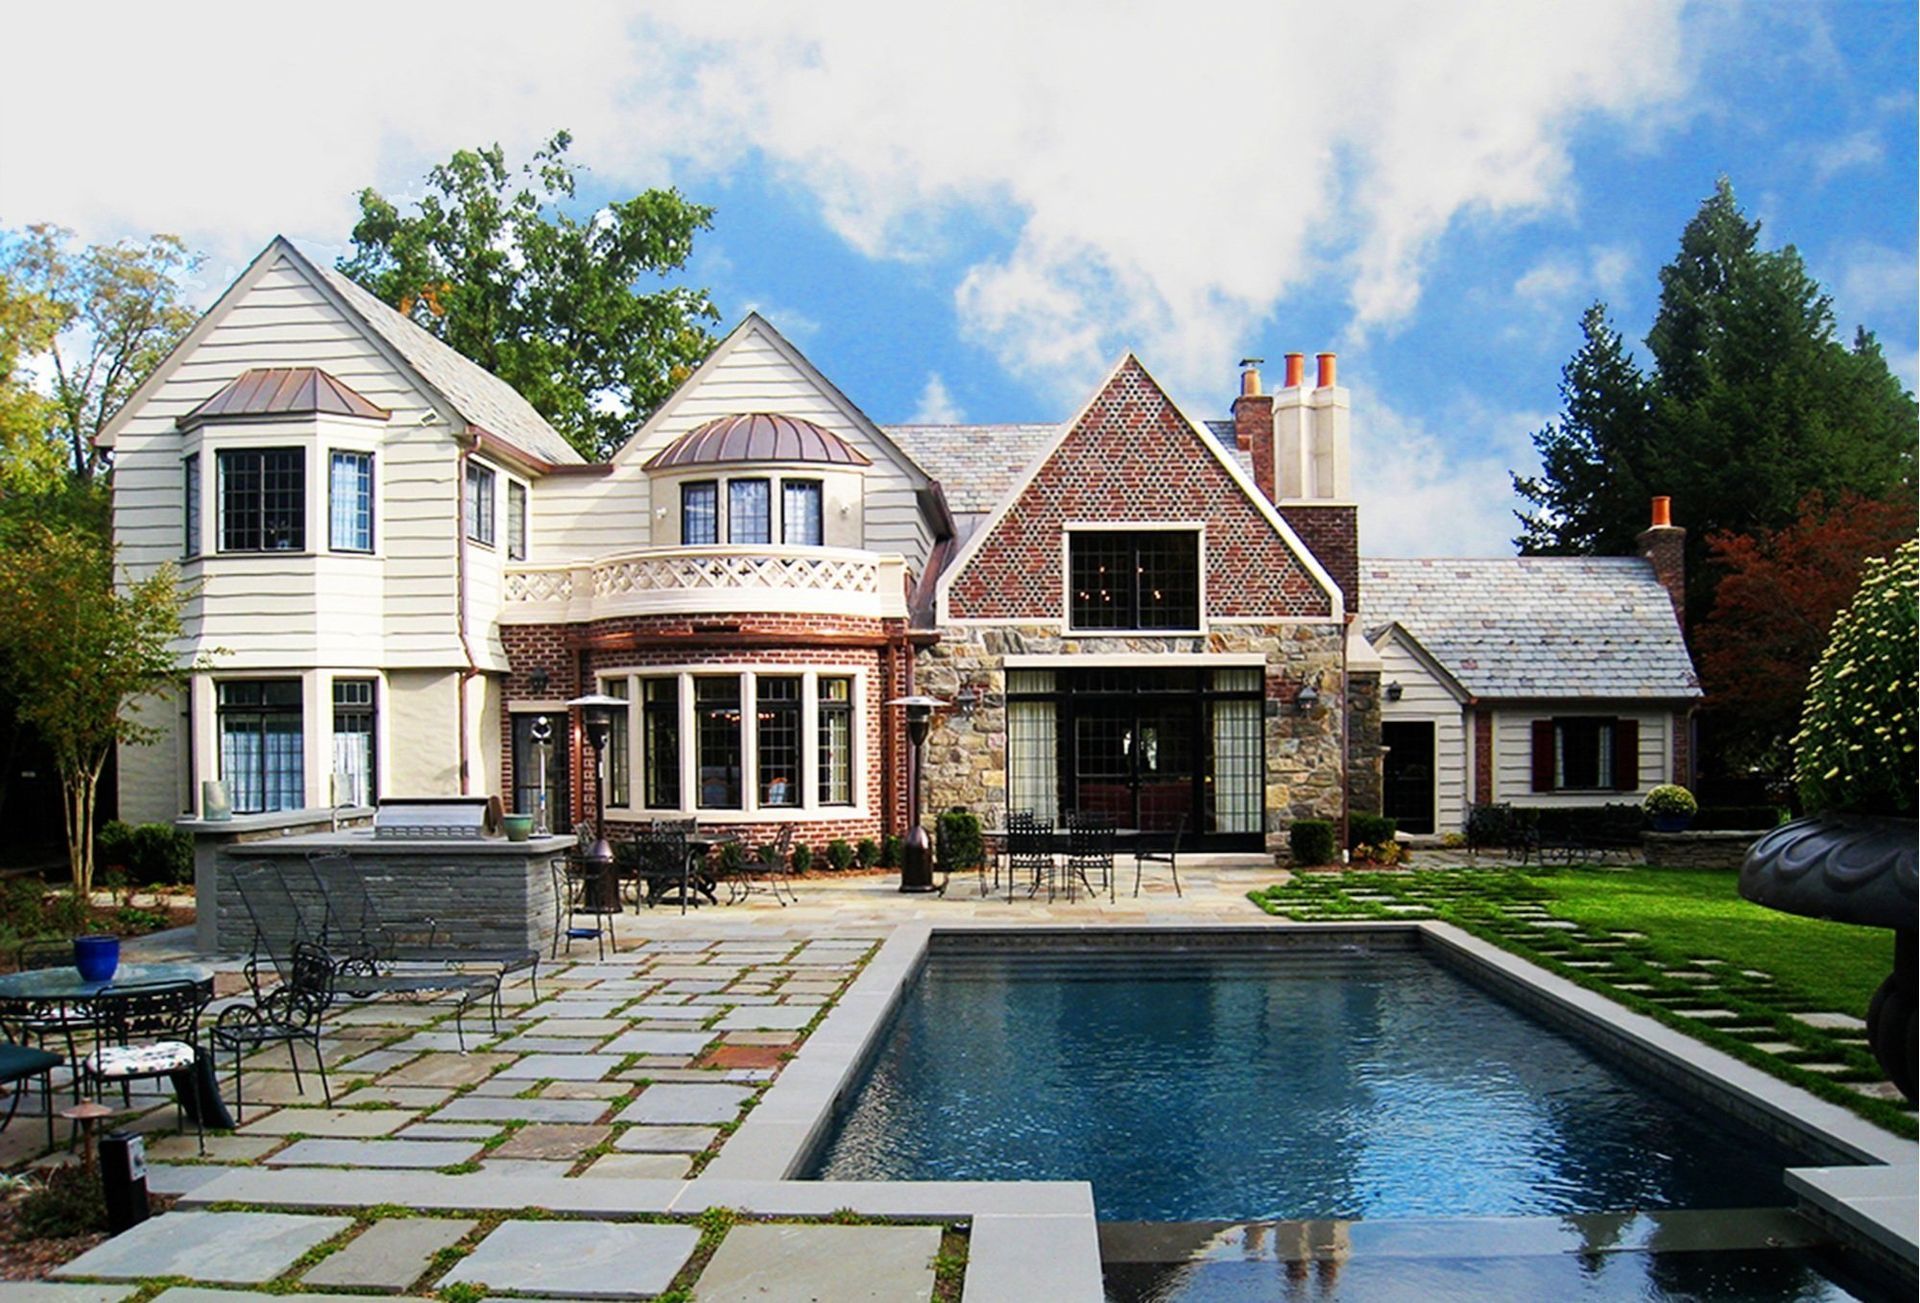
(1662, 511)
(1252, 361)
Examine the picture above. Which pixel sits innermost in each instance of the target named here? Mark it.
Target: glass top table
(40, 985)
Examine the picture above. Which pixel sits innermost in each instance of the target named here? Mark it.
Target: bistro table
(48, 996)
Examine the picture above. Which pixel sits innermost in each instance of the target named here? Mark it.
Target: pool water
(1247, 1086)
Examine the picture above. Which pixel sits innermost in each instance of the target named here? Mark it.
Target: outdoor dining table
(1059, 842)
(48, 995)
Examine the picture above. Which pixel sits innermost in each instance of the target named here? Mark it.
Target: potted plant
(1670, 808)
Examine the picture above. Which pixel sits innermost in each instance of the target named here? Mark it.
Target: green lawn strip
(1480, 902)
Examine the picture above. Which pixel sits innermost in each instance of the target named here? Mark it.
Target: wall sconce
(1394, 690)
(1305, 699)
(967, 698)
(538, 679)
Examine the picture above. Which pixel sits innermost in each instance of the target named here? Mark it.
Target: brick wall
(1482, 757)
(1683, 748)
(1133, 457)
(1665, 548)
(1332, 534)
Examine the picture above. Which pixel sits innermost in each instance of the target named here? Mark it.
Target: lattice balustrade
(539, 585)
(682, 571)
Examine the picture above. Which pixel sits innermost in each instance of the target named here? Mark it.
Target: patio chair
(291, 1012)
(22, 1063)
(663, 863)
(52, 1021)
(1144, 855)
(1030, 854)
(583, 889)
(148, 1031)
(766, 870)
(1089, 851)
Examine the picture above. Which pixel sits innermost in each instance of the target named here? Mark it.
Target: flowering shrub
(1856, 746)
(1670, 798)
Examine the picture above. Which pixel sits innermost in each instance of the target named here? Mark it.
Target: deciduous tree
(570, 310)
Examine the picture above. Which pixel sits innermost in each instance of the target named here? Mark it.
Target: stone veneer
(1365, 779)
(966, 760)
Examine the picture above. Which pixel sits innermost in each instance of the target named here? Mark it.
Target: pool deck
(595, 1100)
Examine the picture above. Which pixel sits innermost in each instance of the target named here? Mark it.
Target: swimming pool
(1231, 1085)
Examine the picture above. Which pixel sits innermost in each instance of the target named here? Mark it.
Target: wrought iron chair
(1143, 855)
(767, 870)
(22, 1063)
(52, 1020)
(664, 863)
(1030, 854)
(148, 1031)
(1089, 851)
(583, 888)
(293, 1011)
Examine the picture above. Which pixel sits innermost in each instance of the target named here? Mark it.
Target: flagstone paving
(759, 1262)
(226, 1248)
(390, 1255)
(584, 1259)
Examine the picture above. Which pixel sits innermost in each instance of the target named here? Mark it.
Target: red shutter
(1626, 755)
(1543, 755)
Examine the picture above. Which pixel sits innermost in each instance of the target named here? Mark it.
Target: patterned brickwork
(1133, 457)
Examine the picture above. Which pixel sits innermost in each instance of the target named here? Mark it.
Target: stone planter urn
(1852, 868)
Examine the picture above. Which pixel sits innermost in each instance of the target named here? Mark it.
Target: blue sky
(968, 214)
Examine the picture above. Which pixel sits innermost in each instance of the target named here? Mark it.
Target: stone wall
(1365, 778)
(966, 761)
(1698, 850)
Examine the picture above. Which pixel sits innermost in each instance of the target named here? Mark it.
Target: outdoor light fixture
(1305, 699)
(967, 698)
(538, 678)
(1394, 690)
(596, 711)
(916, 870)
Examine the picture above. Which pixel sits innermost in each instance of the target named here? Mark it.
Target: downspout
(1346, 740)
(472, 670)
(888, 825)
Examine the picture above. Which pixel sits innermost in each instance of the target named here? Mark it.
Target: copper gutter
(460, 611)
(700, 640)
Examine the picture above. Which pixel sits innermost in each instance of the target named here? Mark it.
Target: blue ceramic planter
(96, 957)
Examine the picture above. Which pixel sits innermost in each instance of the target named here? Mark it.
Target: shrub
(1311, 841)
(160, 855)
(867, 853)
(840, 854)
(68, 1201)
(1387, 852)
(767, 853)
(1670, 798)
(113, 845)
(957, 842)
(1736, 818)
(802, 857)
(1371, 829)
(890, 852)
(21, 901)
(1856, 745)
(733, 857)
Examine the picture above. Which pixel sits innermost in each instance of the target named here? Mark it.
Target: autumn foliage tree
(1774, 606)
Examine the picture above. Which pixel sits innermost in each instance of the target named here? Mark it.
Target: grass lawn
(1678, 945)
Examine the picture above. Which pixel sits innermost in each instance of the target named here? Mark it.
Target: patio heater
(596, 710)
(916, 869)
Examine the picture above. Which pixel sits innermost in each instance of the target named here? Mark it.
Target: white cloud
(936, 406)
(1166, 178)
(1419, 496)
(1548, 282)
(1856, 149)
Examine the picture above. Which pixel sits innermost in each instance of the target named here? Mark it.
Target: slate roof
(1536, 626)
(481, 398)
(284, 391)
(977, 465)
(1223, 434)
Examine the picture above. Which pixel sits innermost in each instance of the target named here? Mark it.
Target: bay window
(778, 740)
(800, 516)
(350, 502)
(263, 499)
(516, 521)
(660, 729)
(699, 513)
(262, 744)
(480, 483)
(836, 741)
(619, 777)
(749, 511)
(716, 740)
(190, 468)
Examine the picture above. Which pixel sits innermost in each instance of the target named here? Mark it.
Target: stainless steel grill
(431, 816)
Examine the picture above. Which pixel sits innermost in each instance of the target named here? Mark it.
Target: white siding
(148, 777)
(422, 717)
(1425, 697)
(1513, 751)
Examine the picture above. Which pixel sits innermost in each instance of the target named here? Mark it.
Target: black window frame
(249, 701)
(818, 490)
(481, 489)
(718, 742)
(619, 745)
(660, 734)
(190, 504)
(828, 708)
(362, 716)
(711, 490)
(1111, 580)
(779, 740)
(1597, 764)
(258, 514)
(765, 519)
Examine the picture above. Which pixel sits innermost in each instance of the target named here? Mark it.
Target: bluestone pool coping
(1043, 1233)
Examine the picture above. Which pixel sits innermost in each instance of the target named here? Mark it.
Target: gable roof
(976, 465)
(1515, 627)
(283, 391)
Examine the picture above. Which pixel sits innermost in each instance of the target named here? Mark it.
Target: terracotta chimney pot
(1296, 369)
(1250, 376)
(1326, 369)
(1662, 512)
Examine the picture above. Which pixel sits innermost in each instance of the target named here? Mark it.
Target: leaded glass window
(262, 744)
(1144, 579)
(619, 748)
(480, 482)
(190, 470)
(800, 512)
(836, 741)
(353, 744)
(749, 511)
(516, 521)
(660, 725)
(778, 739)
(717, 755)
(350, 502)
(263, 500)
(699, 513)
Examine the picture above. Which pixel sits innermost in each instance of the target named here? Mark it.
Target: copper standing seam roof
(283, 391)
(757, 436)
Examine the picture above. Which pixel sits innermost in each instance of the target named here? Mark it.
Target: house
(400, 571)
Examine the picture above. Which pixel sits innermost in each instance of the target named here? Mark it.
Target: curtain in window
(749, 511)
(619, 749)
(351, 503)
(1033, 758)
(836, 741)
(699, 514)
(1237, 766)
(353, 741)
(800, 512)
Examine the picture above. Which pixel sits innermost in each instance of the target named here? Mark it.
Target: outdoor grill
(401, 817)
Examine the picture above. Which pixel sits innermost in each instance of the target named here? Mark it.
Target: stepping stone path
(227, 1248)
(1832, 1021)
(389, 1255)
(579, 1259)
(762, 1261)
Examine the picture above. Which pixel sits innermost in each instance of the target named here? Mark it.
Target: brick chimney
(1664, 545)
(1253, 423)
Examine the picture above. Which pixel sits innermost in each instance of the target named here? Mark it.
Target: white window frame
(471, 515)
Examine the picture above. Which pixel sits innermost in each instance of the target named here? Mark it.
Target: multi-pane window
(480, 503)
(262, 745)
(263, 500)
(190, 470)
(350, 502)
(516, 521)
(778, 739)
(800, 512)
(353, 750)
(700, 513)
(749, 511)
(1144, 579)
(836, 741)
(619, 783)
(660, 722)
(717, 751)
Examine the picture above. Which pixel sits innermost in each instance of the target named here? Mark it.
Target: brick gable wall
(1133, 457)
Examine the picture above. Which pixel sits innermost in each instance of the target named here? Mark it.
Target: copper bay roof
(283, 391)
(757, 436)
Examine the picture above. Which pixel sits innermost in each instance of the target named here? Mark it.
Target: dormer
(759, 479)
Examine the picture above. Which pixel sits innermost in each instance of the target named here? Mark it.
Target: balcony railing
(693, 580)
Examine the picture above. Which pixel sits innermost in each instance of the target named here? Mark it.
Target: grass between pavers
(1498, 906)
